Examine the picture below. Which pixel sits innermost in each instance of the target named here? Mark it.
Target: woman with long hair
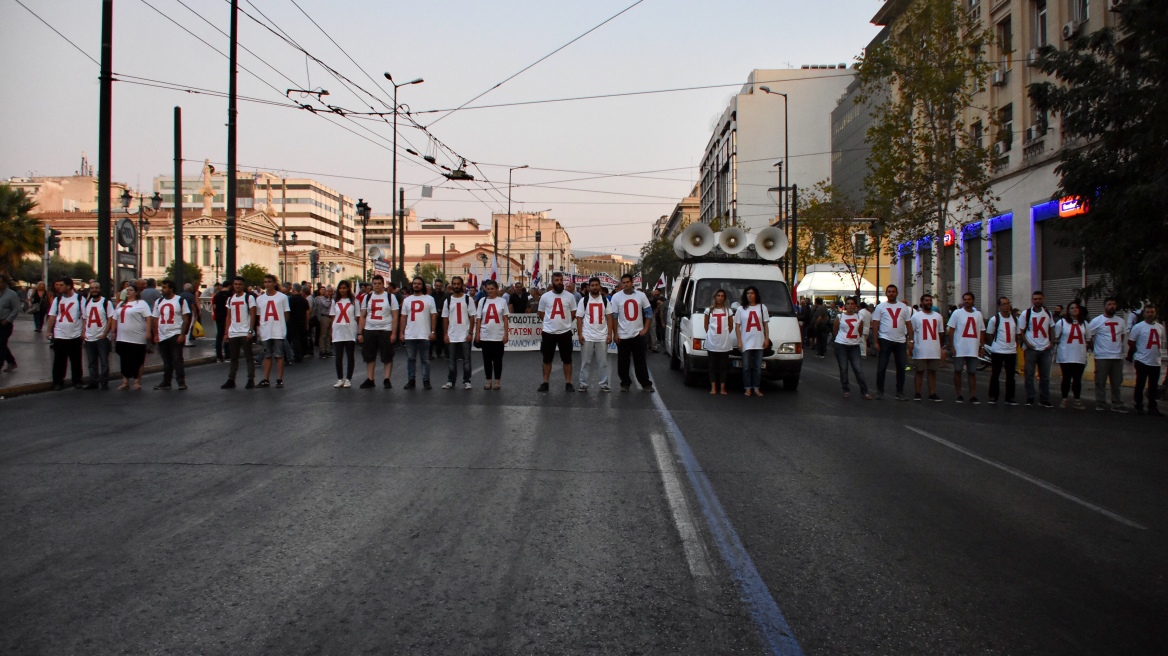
(132, 319)
(753, 338)
(491, 331)
(345, 312)
(39, 301)
(1071, 334)
(719, 340)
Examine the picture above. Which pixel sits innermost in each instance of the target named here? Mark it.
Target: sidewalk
(35, 358)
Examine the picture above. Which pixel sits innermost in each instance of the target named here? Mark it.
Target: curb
(34, 388)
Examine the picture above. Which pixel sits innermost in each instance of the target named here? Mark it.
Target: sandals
(487, 386)
(496, 385)
(749, 392)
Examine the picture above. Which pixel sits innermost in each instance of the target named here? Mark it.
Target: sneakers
(582, 388)
(992, 401)
(974, 401)
(901, 397)
(624, 388)
(368, 384)
(426, 385)
(467, 386)
(339, 384)
(650, 389)
(386, 384)
(1077, 404)
(279, 383)
(182, 387)
(934, 398)
(91, 386)
(1121, 409)
(1011, 402)
(543, 387)
(605, 388)
(165, 387)
(264, 383)
(448, 386)
(879, 394)
(569, 387)
(250, 384)
(1064, 404)
(1029, 402)
(959, 399)
(230, 384)
(410, 385)
(348, 383)
(917, 396)
(1046, 404)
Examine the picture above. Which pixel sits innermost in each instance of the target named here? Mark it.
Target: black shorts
(376, 342)
(550, 343)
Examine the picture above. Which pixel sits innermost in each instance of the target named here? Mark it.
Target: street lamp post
(393, 205)
(483, 259)
(218, 261)
(363, 210)
(143, 212)
(786, 160)
(513, 168)
(283, 241)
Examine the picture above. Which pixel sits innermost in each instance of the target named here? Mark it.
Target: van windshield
(775, 295)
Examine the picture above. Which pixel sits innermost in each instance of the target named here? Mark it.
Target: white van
(685, 328)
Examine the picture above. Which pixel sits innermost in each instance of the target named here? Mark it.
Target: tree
(1110, 93)
(20, 233)
(30, 270)
(429, 271)
(657, 257)
(926, 165)
(253, 274)
(191, 274)
(838, 232)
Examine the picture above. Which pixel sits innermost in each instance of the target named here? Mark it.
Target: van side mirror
(735, 305)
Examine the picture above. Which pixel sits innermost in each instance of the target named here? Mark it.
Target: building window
(1006, 121)
(206, 251)
(193, 256)
(149, 252)
(860, 244)
(976, 131)
(427, 249)
(1079, 10)
(92, 246)
(1040, 17)
(1005, 33)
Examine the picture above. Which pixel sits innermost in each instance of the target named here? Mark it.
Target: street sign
(127, 234)
(128, 258)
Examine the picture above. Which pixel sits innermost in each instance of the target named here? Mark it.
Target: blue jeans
(849, 355)
(457, 351)
(418, 349)
(888, 350)
(97, 357)
(752, 368)
(1041, 360)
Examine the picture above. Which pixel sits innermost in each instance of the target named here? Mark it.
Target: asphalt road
(311, 520)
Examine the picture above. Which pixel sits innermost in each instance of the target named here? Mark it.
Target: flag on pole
(660, 282)
(495, 268)
(535, 270)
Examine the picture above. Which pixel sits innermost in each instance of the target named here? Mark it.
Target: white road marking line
(1027, 477)
(695, 553)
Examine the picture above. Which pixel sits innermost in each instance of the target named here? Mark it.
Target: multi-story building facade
(590, 264)
(432, 240)
(739, 168)
(554, 247)
(72, 193)
(684, 213)
(850, 151)
(1013, 252)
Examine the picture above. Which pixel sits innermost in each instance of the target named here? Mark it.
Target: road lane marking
(1050, 487)
(695, 553)
(763, 609)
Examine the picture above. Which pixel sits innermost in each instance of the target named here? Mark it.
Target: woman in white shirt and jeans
(1071, 334)
(753, 338)
(719, 342)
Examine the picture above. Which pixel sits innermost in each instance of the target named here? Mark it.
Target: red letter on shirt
(343, 312)
(375, 309)
(1076, 335)
(1112, 325)
(557, 308)
(63, 309)
(970, 328)
(166, 314)
(416, 308)
(492, 314)
(895, 314)
(270, 311)
(632, 309)
(1040, 327)
(595, 312)
(928, 330)
(94, 317)
(1153, 339)
(718, 323)
(753, 322)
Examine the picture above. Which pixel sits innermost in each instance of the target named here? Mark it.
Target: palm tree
(20, 233)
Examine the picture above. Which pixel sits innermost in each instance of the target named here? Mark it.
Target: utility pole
(444, 258)
(794, 241)
(401, 208)
(179, 269)
(105, 229)
(232, 112)
(284, 224)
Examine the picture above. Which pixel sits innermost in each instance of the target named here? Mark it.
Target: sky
(461, 48)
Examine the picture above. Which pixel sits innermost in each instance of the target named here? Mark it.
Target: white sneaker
(582, 388)
(605, 388)
(348, 383)
(448, 386)
(340, 383)
(467, 386)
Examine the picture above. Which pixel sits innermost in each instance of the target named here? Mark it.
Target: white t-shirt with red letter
(594, 312)
(67, 310)
(345, 312)
(630, 312)
(893, 319)
(1005, 332)
(1072, 341)
(850, 331)
(926, 328)
(749, 321)
(967, 329)
(1149, 340)
(558, 310)
(169, 313)
(1034, 326)
(719, 336)
(418, 312)
(272, 309)
(98, 313)
(378, 311)
(239, 307)
(490, 314)
(458, 311)
(1109, 337)
(132, 318)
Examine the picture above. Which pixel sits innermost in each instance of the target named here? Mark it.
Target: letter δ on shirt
(1005, 332)
(67, 310)
(239, 308)
(926, 328)
(1109, 335)
(893, 319)
(1072, 341)
(630, 312)
(98, 312)
(719, 336)
(418, 313)
(458, 310)
(271, 309)
(558, 310)
(169, 313)
(594, 315)
(850, 330)
(345, 313)
(378, 311)
(749, 321)
(132, 318)
(490, 314)
(1149, 340)
(967, 329)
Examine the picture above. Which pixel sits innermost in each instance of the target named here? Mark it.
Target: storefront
(1061, 271)
(972, 250)
(1002, 254)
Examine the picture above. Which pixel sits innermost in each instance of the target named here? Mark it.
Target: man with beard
(419, 319)
(98, 313)
(557, 307)
(458, 326)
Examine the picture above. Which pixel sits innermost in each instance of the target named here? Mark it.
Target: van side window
(682, 298)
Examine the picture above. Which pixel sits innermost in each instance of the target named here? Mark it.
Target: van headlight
(790, 348)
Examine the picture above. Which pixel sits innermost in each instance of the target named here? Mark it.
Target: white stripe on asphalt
(1027, 477)
(695, 553)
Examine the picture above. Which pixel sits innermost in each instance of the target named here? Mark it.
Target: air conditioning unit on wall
(1032, 58)
(998, 79)
(999, 149)
(1070, 30)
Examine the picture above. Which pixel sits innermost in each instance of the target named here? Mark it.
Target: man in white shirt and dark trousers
(1108, 341)
(458, 326)
(419, 321)
(239, 324)
(594, 326)
(890, 323)
(1145, 343)
(172, 323)
(98, 313)
(376, 320)
(65, 329)
(1001, 335)
(1034, 326)
(628, 306)
(556, 309)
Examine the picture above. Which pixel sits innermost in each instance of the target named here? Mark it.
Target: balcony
(1001, 164)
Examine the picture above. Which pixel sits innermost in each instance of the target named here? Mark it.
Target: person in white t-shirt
(964, 331)
(1001, 335)
(98, 313)
(133, 332)
(628, 306)
(377, 320)
(924, 344)
(1034, 332)
(457, 330)
(849, 334)
(720, 338)
(1071, 334)
(1146, 344)
(172, 324)
(594, 326)
(752, 327)
(1108, 341)
(556, 308)
(491, 331)
(272, 327)
(65, 329)
(419, 321)
(344, 316)
(239, 325)
(890, 324)
(866, 325)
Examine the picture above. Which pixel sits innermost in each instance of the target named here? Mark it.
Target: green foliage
(30, 270)
(429, 271)
(657, 257)
(926, 167)
(20, 233)
(191, 273)
(253, 274)
(832, 223)
(1110, 93)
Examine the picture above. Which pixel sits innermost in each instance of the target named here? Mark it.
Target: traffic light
(53, 240)
(314, 262)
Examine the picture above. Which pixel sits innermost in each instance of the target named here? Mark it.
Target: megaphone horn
(770, 243)
(374, 253)
(698, 239)
(732, 240)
